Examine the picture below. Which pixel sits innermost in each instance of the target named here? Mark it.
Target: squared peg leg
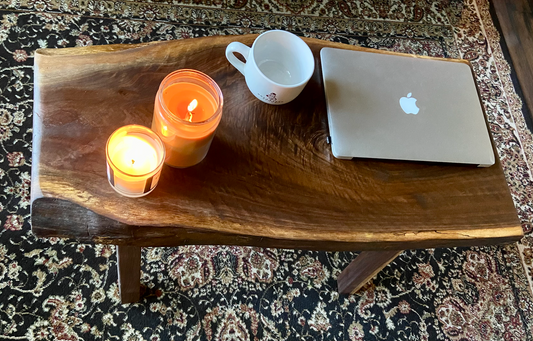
(129, 273)
(365, 266)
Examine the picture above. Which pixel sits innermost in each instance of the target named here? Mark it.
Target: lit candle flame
(134, 155)
(191, 107)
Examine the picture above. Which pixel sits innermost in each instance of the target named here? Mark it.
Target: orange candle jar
(187, 111)
(134, 156)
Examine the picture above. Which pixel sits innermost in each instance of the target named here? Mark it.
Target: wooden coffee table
(269, 179)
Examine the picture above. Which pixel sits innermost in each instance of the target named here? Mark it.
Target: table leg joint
(365, 266)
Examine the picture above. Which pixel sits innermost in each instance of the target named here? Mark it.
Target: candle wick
(190, 116)
(132, 162)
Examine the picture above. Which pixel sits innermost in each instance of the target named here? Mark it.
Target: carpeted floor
(61, 290)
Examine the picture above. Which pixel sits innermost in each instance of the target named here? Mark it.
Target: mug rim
(307, 51)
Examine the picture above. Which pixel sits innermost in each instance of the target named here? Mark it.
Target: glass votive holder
(134, 158)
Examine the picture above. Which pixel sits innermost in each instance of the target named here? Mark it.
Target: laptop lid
(404, 107)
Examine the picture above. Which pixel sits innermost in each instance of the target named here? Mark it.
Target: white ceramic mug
(278, 65)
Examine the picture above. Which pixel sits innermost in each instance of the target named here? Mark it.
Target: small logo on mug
(271, 97)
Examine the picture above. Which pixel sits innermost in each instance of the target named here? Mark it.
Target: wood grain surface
(269, 178)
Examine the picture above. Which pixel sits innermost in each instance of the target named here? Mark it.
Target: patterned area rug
(62, 290)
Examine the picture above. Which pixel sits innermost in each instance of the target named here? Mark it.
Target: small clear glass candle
(187, 111)
(134, 157)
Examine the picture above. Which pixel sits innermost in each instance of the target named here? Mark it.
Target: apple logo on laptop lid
(408, 104)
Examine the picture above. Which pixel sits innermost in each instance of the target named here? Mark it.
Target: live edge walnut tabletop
(269, 179)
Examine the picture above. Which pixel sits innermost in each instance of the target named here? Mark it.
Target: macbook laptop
(387, 106)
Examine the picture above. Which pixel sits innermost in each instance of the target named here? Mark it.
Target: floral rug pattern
(61, 290)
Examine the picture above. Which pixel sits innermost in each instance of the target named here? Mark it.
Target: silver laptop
(404, 108)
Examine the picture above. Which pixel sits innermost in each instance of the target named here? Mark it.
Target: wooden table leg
(365, 266)
(129, 273)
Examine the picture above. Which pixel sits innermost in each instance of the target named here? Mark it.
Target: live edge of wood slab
(268, 180)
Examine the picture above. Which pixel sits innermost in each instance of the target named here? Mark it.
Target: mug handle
(239, 48)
